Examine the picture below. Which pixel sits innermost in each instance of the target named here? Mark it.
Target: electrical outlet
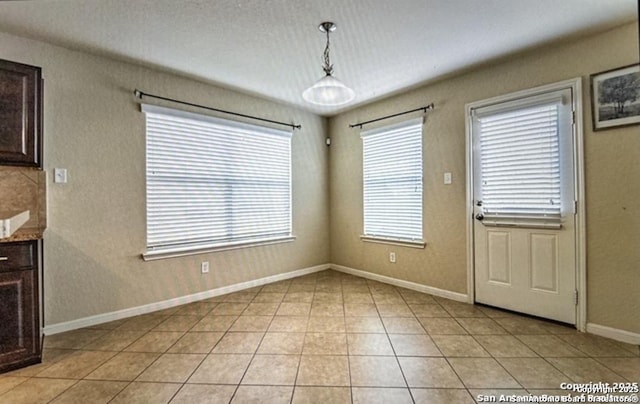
(447, 178)
(392, 257)
(204, 267)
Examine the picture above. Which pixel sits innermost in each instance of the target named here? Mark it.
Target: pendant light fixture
(328, 90)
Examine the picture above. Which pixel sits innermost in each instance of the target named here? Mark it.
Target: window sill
(393, 241)
(164, 253)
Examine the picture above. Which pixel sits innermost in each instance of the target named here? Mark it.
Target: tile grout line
(261, 339)
(155, 360)
(347, 338)
(491, 356)
(201, 361)
(184, 333)
(466, 388)
(295, 382)
(609, 368)
(393, 348)
(91, 371)
(254, 353)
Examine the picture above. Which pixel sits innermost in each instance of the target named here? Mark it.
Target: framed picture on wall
(615, 96)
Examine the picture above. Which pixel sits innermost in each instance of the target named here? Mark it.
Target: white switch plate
(60, 175)
(204, 267)
(447, 178)
(392, 257)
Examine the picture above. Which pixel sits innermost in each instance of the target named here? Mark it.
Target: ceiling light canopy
(328, 90)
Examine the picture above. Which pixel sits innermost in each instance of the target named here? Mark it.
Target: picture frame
(615, 97)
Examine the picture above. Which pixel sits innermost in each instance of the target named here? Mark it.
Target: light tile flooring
(321, 338)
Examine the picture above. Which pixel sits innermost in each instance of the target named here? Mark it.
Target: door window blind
(214, 182)
(520, 161)
(392, 175)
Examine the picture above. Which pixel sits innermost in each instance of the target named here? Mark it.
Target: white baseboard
(608, 332)
(166, 304)
(460, 297)
(614, 333)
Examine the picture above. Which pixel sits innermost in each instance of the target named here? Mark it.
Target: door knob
(480, 216)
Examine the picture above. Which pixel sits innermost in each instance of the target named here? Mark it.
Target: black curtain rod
(424, 109)
(139, 94)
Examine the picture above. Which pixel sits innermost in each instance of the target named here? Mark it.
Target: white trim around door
(575, 85)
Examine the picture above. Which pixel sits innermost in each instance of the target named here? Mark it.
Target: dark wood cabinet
(20, 114)
(20, 330)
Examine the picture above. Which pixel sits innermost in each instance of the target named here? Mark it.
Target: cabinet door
(19, 305)
(18, 316)
(20, 114)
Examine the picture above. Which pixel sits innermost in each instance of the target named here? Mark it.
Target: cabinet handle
(4, 258)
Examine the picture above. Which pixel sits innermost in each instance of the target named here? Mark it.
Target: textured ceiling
(272, 48)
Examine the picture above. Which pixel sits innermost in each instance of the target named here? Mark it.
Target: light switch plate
(447, 178)
(60, 175)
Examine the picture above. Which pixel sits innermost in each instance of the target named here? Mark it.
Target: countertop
(24, 234)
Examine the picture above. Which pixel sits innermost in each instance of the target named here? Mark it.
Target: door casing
(578, 150)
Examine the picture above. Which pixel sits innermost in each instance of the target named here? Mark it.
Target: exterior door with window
(524, 205)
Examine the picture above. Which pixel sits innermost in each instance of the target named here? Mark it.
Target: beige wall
(96, 223)
(612, 178)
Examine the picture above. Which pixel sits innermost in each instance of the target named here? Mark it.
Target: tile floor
(321, 338)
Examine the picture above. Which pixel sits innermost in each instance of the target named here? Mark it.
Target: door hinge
(573, 117)
(575, 297)
(575, 207)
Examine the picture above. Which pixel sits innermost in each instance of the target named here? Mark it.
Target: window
(214, 183)
(520, 166)
(392, 174)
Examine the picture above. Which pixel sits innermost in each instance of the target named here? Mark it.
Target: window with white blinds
(392, 175)
(214, 182)
(520, 161)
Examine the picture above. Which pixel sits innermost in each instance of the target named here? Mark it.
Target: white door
(524, 188)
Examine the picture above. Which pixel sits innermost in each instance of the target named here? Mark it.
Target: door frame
(578, 153)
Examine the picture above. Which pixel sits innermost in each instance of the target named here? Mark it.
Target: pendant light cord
(327, 67)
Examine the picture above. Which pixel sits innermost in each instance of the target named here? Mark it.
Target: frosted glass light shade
(328, 91)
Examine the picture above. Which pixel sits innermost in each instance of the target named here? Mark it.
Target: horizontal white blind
(520, 162)
(392, 174)
(214, 181)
